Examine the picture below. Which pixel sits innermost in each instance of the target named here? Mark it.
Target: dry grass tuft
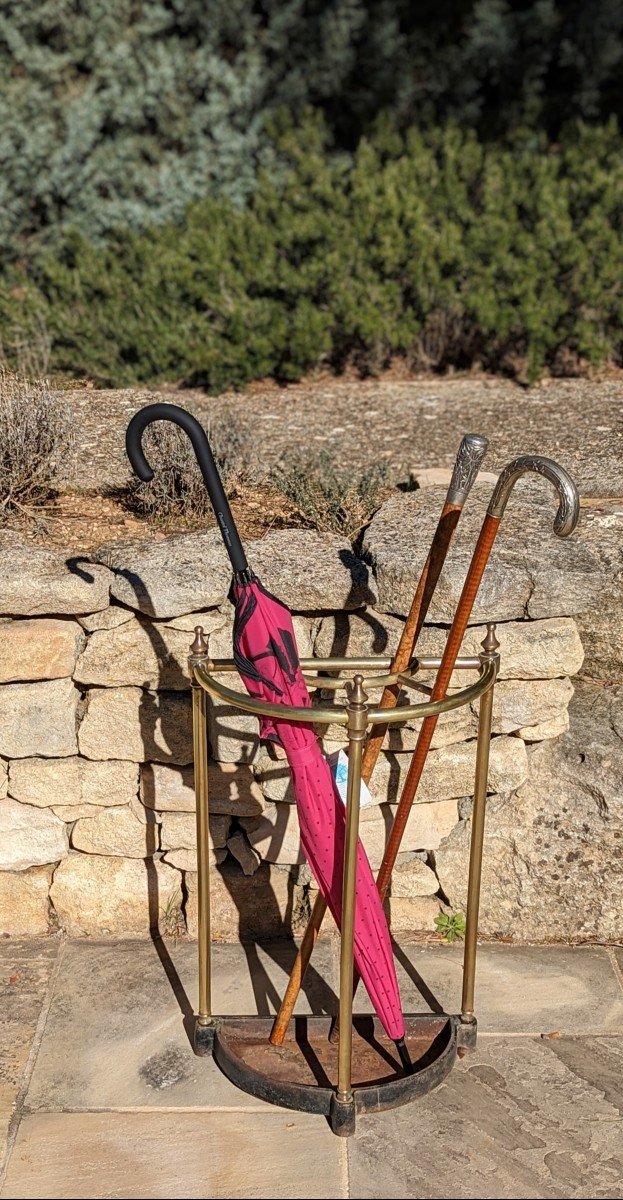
(35, 437)
(177, 490)
(326, 495)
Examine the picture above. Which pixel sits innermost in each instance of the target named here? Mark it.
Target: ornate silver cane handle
(568, 496)
(468, 463)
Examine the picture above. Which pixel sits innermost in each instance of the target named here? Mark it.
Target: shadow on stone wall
(266, 920)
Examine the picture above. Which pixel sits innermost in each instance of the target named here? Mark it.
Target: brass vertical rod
(202, 809)
(490, 647)
(357, 723)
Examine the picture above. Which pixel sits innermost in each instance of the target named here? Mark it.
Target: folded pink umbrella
(267, 659)
(266, 655)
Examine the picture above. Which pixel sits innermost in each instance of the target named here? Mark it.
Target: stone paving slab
(14, 950)
(520, 1118)
(519, 989)
(525, 1116)
(129, 1030)
(25, 969)
(171, 1155)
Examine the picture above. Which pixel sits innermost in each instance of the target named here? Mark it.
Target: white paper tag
(338, 761)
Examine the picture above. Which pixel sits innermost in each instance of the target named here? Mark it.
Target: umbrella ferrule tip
(404, 1055)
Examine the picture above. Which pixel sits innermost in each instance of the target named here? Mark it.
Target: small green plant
(451, 926)
(328, 497)
(171, 917)
(35, 438)
(177, 489)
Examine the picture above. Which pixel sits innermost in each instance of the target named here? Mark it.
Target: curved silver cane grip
(468, 463)
(568, 513)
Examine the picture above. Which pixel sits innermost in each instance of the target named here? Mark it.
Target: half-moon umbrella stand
(360, 1073)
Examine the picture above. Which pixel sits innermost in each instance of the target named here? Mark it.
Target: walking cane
(564, 523)
(468, 461)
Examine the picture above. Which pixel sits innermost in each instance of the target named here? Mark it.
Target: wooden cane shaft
(282, 1020)
(453, 645)
(417, 614)
(413, 625)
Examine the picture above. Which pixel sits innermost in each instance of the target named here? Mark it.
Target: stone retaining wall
(97, 832)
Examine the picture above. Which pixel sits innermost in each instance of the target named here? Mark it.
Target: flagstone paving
(25, 970)
(102, 1096)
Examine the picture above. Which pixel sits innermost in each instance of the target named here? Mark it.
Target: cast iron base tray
(302, 1074)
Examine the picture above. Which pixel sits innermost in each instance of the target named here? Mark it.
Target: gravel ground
(412, 425)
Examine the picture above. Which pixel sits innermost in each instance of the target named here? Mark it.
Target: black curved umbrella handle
(205, 458)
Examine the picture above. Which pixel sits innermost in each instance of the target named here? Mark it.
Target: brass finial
(355, 691)
(199, 648)
(357, 709)
(490, 644)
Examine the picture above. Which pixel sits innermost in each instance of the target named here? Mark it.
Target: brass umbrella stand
(308, 1072)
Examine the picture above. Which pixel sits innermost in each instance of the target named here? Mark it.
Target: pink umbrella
(267, 659)
(266, 655)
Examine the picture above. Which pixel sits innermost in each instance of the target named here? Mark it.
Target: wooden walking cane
(564, 523)
(469, 459)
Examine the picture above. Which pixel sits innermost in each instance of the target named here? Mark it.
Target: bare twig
(35, 435)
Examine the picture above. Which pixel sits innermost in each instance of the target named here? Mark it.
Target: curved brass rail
(204, 671)
(315, 678)
(426, 663)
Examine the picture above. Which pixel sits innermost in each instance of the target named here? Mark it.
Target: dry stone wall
(97, 829)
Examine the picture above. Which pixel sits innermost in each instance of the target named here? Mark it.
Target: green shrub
(120, 113)
(437, 247)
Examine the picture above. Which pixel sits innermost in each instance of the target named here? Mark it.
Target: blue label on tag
(338, 763)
